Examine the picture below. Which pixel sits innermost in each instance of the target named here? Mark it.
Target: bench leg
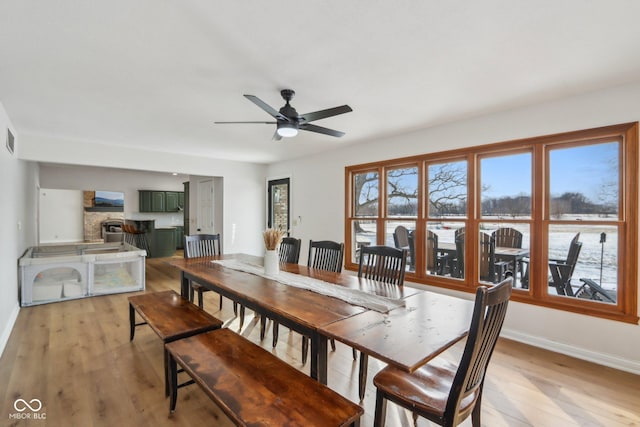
(132, 322)
(173, 383)
(167, 374)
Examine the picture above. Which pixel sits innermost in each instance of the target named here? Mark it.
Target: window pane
(402, 192)
(584, 181)
(363, 233)
(443, 258)
(365, 194)
(583, 262)
(400, 234)
(506, 186)
(447, 189)
(510, 252)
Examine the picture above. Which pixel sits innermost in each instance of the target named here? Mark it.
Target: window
(557, 213)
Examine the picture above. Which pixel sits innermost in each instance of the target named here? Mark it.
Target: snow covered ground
(596, 259)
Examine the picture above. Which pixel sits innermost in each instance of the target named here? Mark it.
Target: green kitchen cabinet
(160, 201)
(172, 201)
(179, 237)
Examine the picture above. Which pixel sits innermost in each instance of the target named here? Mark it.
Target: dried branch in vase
(272, 238)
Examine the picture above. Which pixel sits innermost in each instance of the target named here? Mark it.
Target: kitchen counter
(163, 243)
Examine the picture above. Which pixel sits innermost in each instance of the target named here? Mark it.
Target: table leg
(319, 357)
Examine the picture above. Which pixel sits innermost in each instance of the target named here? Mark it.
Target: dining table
(421, 326)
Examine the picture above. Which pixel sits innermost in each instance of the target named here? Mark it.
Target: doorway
(279, 207)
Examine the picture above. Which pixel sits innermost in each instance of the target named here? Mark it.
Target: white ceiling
(157, 74)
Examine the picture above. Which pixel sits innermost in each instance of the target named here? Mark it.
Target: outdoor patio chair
(562, 270)
(403, 239)
(437, 262)
(440, 391)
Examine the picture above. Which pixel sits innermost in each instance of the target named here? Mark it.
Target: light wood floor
(76, 358)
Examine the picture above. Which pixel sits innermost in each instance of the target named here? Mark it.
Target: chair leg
(220, 302)
(355, 353)
(275, 334)
(241, 316)
(362, 378)
(263, 326)
(333, 344)
(381, 410)
(475, 414)
(190, 292)
(200, 299)
(305, 349)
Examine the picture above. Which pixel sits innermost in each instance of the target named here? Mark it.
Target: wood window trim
(626, 309)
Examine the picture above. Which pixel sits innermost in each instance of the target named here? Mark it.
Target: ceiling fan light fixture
(287, 130)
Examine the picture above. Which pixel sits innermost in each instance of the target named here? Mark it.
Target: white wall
(242, 183)
(61, 216)
(318, 199)
(85, 178)
(17, 219)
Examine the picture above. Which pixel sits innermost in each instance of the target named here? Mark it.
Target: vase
(271, 263)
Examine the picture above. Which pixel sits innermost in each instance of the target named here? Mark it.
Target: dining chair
(323, 255)
(441, 391)
(201, 245)
(384, 264)
(289, 252)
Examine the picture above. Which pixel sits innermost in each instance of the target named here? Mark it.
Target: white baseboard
(627, 365)
(6, 333)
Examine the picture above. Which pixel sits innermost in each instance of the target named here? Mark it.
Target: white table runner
(352, 296)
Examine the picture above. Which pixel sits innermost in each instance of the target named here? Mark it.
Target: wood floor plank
(75, 356)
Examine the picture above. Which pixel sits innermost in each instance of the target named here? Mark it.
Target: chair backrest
(383, 263)
(488, 316)
(459, 261)
(432, 251)
(508, 237)
(325, 255)
(289, 250)
(198, 245)
(401, 237)
(572, 256)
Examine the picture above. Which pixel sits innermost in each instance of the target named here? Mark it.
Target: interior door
(205, 207)
(279, 206)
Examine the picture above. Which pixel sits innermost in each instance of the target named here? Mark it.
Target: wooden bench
(171, 317)
(254, 387)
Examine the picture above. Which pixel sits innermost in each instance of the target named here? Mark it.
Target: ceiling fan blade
(266, 107)
(320, 129)
(226, 123)
(322, 114)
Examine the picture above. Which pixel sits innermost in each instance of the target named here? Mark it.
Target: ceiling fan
(288, 121)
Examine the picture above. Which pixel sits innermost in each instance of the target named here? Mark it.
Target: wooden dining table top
(406, 337)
